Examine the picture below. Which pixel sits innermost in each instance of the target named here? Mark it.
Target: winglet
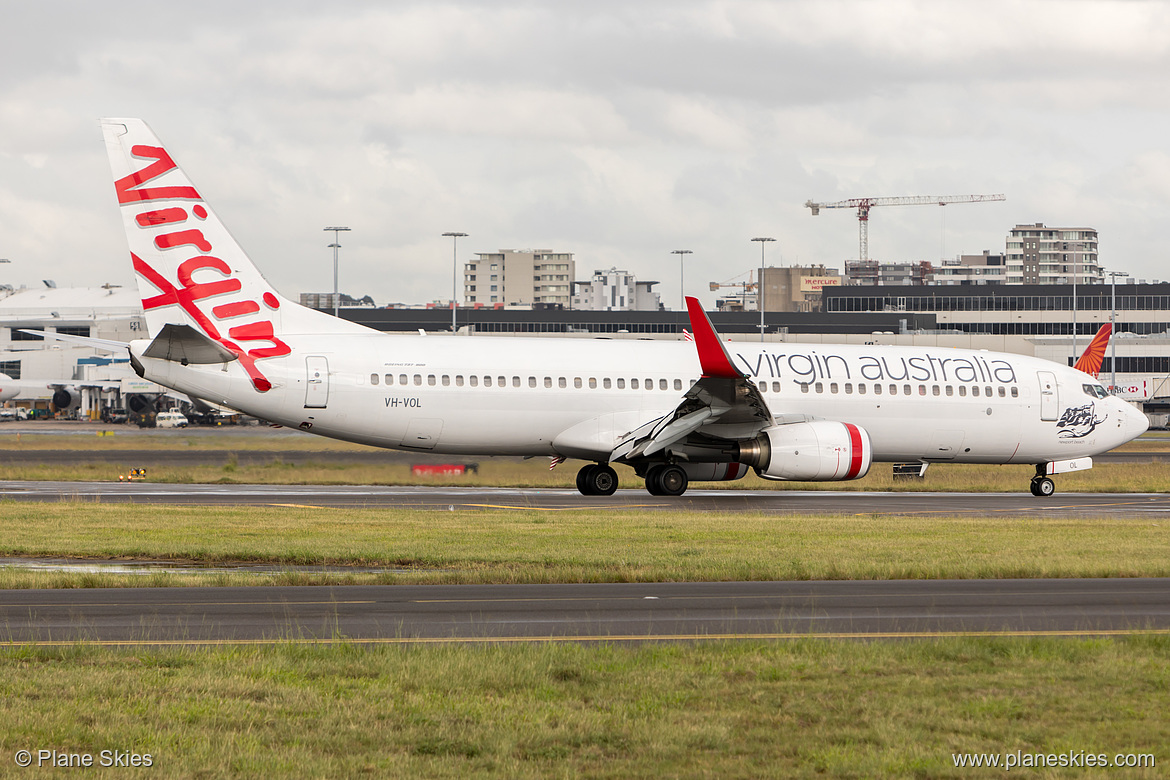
(712, 354)
(1090, 361)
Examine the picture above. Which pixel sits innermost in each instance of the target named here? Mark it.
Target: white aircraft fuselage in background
(674, 411)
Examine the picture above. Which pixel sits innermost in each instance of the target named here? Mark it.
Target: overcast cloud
(615, 131)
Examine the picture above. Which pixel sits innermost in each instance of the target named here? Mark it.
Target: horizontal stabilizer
(108, 345)
(183, 344)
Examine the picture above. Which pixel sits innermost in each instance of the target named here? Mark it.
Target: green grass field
(524, 546)
(807, 708)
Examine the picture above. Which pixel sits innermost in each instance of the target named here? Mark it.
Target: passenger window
(962, 391)
(987, 391)
(1015, 392)
(431, 380)
(1002, 392)
(893, 389)
(678, 384)
(532, 381)
(473, 380)
(775, 387)
(833, 388)
(548, 381)
(621, 383)
(487, 381)
(860, 388)
(502, 381)
(373, 379)
(804, 387)
(459, 380)
(950, 390)
(648, 384)
(562, 382)
(418, 379)
(389, 379)
(848, 388)
(446, 380)
(934, 389)
(633, 384)
(820, 388)
(907, 390)
(662, 384)
(592, 383)
(877, 389)
(763, 387)
(402, 379)
(515, 381)
(606, 383)
(577, 382)
(975, 391)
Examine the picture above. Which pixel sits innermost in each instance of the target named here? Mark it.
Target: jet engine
(66, 398)
(819, 451)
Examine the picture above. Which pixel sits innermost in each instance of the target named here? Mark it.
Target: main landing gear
(666, 479)
(1042, 485)
(597, 479)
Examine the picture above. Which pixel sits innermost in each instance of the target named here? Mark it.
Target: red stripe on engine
(855, 449)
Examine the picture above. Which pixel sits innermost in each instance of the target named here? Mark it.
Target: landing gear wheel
(603, 480)
(597, 479)
(1043, 487)
(666, 480)
(584, 479)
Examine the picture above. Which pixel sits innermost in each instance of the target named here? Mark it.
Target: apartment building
(520, 278)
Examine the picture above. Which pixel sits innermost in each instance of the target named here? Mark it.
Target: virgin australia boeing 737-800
(674, 411)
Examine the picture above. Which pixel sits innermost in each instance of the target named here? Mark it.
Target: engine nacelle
(818, 451)
(66, 399)
(714, 472)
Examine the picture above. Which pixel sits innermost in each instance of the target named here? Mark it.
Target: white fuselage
(577, 398)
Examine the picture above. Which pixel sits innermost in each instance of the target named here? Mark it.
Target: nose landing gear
(1042, 486)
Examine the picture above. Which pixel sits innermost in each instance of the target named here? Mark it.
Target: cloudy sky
(616, 131)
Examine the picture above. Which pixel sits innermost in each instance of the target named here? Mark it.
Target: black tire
(603, 480)
(1045, 487)
(585, 479)
(672, 481)
(652, 485)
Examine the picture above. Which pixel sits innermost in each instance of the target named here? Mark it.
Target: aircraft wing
(723, 403)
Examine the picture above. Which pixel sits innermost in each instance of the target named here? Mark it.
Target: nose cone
(1136, 422)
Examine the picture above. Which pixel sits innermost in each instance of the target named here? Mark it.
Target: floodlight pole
(760, 282)
(335, 246)
(454, 275)
(682, 287)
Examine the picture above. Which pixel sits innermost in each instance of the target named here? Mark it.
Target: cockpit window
(1095, 390)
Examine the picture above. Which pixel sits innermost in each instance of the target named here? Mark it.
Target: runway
(1022, 504)
(903, 609)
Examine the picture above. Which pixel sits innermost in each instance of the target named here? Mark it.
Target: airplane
(701, 410)
(8, 389)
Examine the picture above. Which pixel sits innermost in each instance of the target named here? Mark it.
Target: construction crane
(744, 287)
(863, 205)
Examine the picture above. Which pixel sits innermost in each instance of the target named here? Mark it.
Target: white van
(170, 420)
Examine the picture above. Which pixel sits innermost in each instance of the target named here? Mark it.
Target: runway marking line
(561, 508)
(482, 640)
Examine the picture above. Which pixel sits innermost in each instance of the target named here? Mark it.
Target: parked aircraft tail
(1090, 361)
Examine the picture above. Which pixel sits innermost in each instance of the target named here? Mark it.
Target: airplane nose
(1136, 422)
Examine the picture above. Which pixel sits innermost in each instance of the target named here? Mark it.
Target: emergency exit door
(1048, 398)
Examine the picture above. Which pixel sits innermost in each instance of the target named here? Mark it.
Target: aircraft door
(317, 382)
(1049, 402)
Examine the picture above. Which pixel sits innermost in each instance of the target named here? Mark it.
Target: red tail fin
(1090, 361)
